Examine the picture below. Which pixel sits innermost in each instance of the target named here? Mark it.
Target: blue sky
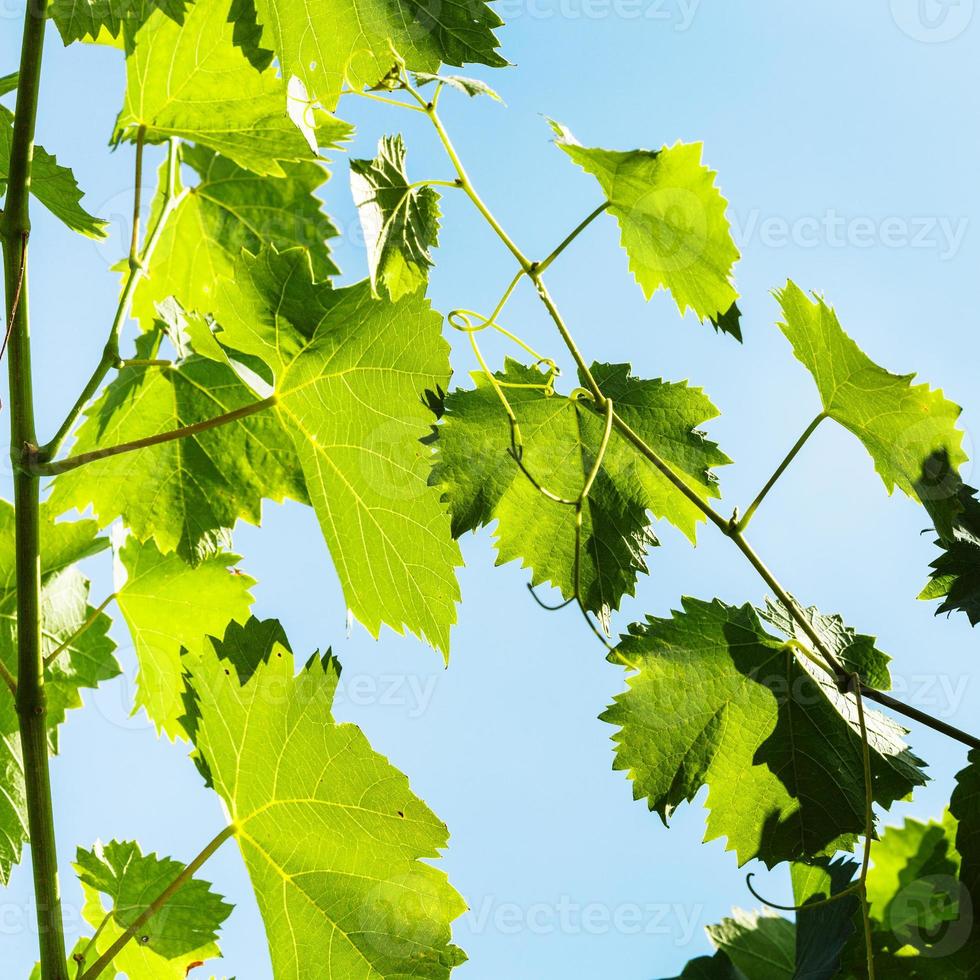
(845, 138)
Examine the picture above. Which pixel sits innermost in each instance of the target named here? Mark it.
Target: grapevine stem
(790, 456)
(730, 528)
(73, 462)
(105, 960)
(8, 679)
(31, 701)
(137, 270)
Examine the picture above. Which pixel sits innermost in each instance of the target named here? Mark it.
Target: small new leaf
(673, 222)
(168, 606)
(335, 842)
(716, 700)
(468, 86)
(400, 221)
(901, 425)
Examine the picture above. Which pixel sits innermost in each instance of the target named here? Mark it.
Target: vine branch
(731, 528)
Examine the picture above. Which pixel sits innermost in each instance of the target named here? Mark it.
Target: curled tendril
(544, 605)
(844, 893)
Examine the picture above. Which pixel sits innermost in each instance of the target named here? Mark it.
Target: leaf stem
(31, 701)
(137, 270)
(582, 225)
(73, 462)
(790, 456)
(134, 242)
(53, 656)
(105, 960)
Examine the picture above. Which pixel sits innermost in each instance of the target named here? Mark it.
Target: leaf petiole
(73, 462)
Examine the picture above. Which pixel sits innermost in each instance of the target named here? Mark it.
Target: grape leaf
(169, 605)
(84, 662)
(762, 946)
(227, 210)
(855, 651)
(900, 424)
(673, 223)
(482, 483)
(912, 892)
(329, 43)
(181, 494)
(400, 221)
(955, 575)
(351, 373)
(333, 838)
(132, 880)
(468, 86)
(191, 81)
(91, 20)
(52, 184)
(716, 700)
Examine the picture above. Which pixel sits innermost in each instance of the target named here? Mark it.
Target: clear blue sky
(846, 138)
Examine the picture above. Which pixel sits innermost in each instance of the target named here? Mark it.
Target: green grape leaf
(955, 574)
(822, 932)
(76, 660)
(132, 881)
(855, 651)
(181, 494)
(351, 376)
(93, 20)
(964, 805)
(227, 210)
(169, 605)
(672, 218)
(52, 184)
(762, 946)
(191, 81)
(481, 482)
(135, 961)
(328, 44)
(468, 86)
(913, 889)
(717, 701)
(334, 840)
(400, 221)
(901, 425)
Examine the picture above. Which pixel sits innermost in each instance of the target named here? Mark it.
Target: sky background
(846, 139)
